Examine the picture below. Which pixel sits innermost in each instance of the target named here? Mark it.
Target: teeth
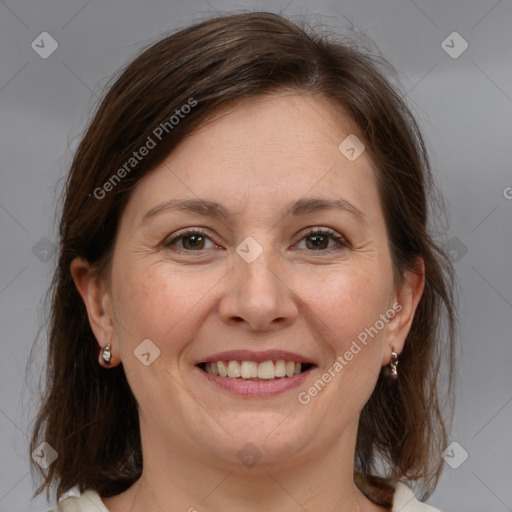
(266, 370)
(223, 371)
(249, 369)
(233, 369)
(280, 368)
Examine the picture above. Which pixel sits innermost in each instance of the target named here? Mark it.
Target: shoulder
(405, 501)
(88, 501)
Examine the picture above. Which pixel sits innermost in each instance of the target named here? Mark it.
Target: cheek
(350, 309)
(159, 304)
(155, 302)
(168, 304)
(349, 302)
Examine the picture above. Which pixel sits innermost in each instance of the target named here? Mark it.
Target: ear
(404, 303)
(96, 297)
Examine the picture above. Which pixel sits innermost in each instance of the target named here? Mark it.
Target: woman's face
(268, 274)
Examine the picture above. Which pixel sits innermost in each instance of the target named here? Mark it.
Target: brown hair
(218, 62)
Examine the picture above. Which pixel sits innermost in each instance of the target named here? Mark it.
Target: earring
(393, 363)
(106, 354)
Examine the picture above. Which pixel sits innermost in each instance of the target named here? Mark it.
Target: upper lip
(258, 357)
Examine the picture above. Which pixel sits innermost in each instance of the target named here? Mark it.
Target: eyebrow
(212, 209)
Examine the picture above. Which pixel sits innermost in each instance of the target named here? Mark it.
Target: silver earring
(106, 354)
(393, 363)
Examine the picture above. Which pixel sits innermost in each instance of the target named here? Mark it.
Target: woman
(248, 308)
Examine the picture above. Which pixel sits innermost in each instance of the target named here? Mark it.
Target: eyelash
(340, 240)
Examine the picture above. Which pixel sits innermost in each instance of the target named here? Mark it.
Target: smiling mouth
(254, 371)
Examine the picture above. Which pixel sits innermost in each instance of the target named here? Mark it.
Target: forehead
(266, 151)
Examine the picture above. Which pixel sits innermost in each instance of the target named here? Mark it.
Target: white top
(89, 501)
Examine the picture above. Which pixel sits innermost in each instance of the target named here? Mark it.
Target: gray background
(464, 106)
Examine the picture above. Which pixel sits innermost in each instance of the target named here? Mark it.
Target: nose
(258, 295)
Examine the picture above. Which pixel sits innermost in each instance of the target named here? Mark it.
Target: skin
(254, 159)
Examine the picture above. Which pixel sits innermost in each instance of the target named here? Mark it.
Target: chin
(261, 441)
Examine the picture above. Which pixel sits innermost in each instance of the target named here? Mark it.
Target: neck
(175, 479)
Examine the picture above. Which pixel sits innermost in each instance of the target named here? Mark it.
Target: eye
(317, 239)
(189, 240)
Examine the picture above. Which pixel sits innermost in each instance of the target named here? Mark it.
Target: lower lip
(256, 389)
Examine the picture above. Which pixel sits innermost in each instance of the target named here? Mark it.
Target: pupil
(318, 240)
(197, 239)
